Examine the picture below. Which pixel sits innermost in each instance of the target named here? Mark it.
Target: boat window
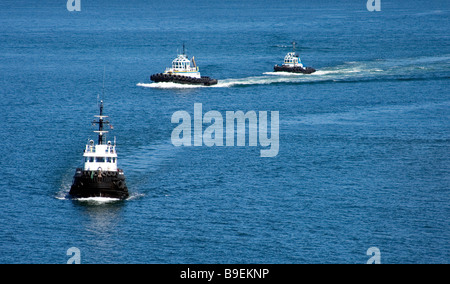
(114, 160)
(108, 160)
(100, 160)
(91, 160)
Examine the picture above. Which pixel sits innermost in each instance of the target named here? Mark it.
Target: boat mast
(101, 122)
(294, 43)
(100, 125)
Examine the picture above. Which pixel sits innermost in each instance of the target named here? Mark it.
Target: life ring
(120, 184)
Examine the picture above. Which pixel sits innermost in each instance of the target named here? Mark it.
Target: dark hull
(205, 81)
(92, 184)
(284, 68)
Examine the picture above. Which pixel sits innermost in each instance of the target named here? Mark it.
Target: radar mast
(101, 123)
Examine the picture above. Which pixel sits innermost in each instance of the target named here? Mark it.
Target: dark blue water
(364, 143)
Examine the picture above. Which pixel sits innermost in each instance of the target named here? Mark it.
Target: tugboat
(293, 64)
(100, 176)
(182, 73)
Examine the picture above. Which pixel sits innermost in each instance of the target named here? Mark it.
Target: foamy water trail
(64, 195)
(377, 69)
(265, 79)
(268, 78)
(98, 200)
(169, 85)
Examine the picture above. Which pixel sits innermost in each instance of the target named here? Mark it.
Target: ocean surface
(364, 158)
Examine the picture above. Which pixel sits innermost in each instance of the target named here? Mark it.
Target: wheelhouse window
(100, 159)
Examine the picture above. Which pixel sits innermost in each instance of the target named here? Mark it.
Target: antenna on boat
(184, 49)
(293, 44)
(101, 118)
(103, 87)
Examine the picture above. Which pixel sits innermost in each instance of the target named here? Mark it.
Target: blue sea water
(364, 142)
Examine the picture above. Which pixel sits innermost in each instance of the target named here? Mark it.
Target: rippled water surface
(364, 142)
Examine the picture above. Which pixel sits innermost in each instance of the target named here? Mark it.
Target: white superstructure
(182, 66)
(101, 157)
(292, 59)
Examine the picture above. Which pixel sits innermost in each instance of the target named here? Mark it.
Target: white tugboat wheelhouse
(182, 66)
(292, 59)
(101, 157)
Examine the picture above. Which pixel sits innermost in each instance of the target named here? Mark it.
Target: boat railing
(190, 69)
(108, 150)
